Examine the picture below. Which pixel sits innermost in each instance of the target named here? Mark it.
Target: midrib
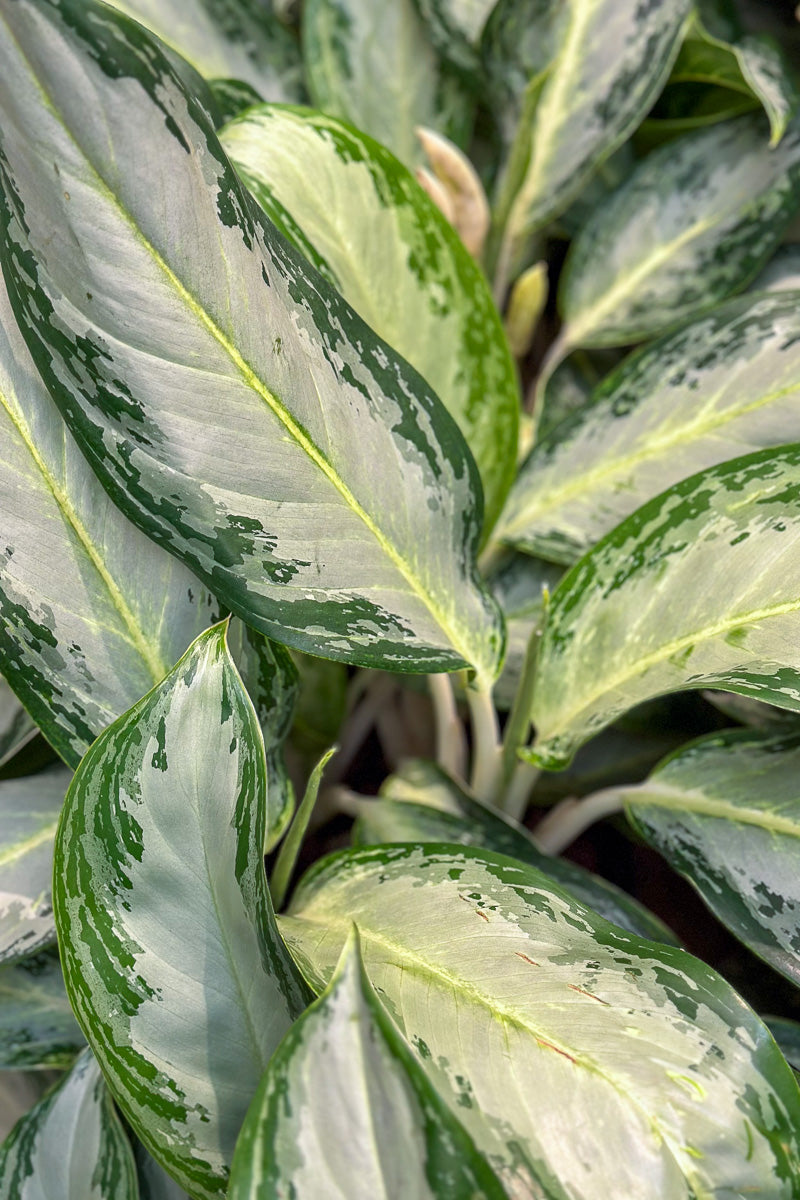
(656, 795)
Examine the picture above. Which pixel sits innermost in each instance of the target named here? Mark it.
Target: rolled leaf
(29, 811)
(532, 1016)
(630, 621)
(694, 222)
(725, 812)
(70, 1145)
(383, 243)
(521, 585)
(346, 1073)
(188, 985)
(724, 384)
(37, 1028)
(238, 417)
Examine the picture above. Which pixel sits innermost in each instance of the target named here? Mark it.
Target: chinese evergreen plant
(398, 398)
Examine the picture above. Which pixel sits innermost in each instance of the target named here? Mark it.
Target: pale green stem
(487, 759)
(519, 720)
(560, 348)
(451, 743)
(518, 792)
(287, 855)
(569, 819)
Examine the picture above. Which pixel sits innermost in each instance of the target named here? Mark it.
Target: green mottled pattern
(698, 588)
(17, 727)
(386, 247)
(583, 1061)
(723, 385)
(171, 956)
(230, 39)
(725, 812)
(92, 614)
(238, 415)
(693, 223)
(345, 1112)
(29, 811)
(37, 1028)
(421, 803)
(70, 1146)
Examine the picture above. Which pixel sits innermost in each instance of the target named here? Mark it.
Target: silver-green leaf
(250, 451)
(698, 588)
(583, 1061)
(17, 726)
(37, 1028)
(183, 991)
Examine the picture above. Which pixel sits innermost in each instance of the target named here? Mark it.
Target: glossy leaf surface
(345, 1111)
(719, 387)
(698, 588)
(29, 811)
(239, 424)
(37, 1028)
(188, 985)
(71, 1145)
(382, 242)
(725, 812)
(694, 222)
(532, 1015)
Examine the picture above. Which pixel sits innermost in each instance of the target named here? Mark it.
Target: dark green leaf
(37, 1028)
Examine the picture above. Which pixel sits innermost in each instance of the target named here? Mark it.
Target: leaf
(233, 39)
(375, 66)
(17, 728)
(532, 1016)
(37, 1028)
(520, 585)
(609, 62)
(70, 1145)
(693, 223)
(154, 1182)
(787, 1035)
(29, 811)
(455, 28)
(724, 384)
(725, 812)
(321, 708)
(93, 614)
(380, 240)
(734, 527)
(183, 991)
(262, 484)
(341, 1074)
(782, 272)
(412, 810)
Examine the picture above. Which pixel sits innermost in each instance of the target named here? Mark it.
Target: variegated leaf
(455, 29)
(71, 1145)
(693, 223)
(787, 1035)
(37, 1028)
(698, 588)
(250, 450)
(583, 1061)
(183, 991)
(722, 385)
(17, 727)
(342, 1075)
(372, 231)
(609, 61)
(725, 812)
(93, 614)
(29, 811)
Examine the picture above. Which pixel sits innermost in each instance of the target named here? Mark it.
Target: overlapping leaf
(17, 727)
(37, 1028)
(171, 956)
(231, 401)
(380, 240)
(535, 1019)
(725, 384)
(698, 588)
(344, 1109)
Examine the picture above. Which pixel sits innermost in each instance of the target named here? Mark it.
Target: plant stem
(571, 817)
(486, 755)
(451, 742)
(517, 794)
(287, 855)
(534, 399)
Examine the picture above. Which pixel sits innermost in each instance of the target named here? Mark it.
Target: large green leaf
(29, 811)
(725, 812)
(455, 28)
(341, 1074)
(609, 61)
(71, 1145)
(698, 588)
(583, 1061)
(382, 242)
(37, 1028)
(725, 384)
(421, 803)
(239, 415)
(171, 956)
(691, 225)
